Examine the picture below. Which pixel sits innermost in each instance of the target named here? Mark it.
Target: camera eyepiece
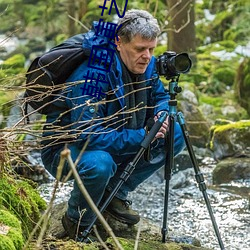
(170, 64)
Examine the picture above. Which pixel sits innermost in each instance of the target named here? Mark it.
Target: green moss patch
(10, 231)
(22, 200)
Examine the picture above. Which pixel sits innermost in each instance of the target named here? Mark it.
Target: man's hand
(164, 128)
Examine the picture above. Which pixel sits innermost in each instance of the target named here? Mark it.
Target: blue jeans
(100, 170)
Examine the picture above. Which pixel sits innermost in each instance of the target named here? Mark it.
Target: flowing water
(187, 212)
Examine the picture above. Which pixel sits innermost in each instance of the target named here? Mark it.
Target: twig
(77, 21)
(99, 238)
(137, 236)
(66, 154)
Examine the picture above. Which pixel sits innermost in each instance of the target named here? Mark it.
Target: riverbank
(188, 215)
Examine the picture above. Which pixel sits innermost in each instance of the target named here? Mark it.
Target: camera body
(171, 65)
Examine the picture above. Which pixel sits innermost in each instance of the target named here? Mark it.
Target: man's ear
(118, 42)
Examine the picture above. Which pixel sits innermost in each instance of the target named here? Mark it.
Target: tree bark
(71, 6)
(83, 7)
(181, 27)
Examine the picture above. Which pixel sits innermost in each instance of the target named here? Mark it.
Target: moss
(236, 125)
(225, 75)
(6, 243)
(128, 244)
(214, 101)
(22, 200)
(221, 132)
(9, 219)
(16, 237)
(13, 239)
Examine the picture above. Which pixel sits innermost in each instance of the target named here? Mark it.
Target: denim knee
(97, 165)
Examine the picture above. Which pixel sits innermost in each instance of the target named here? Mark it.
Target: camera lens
(182, 63)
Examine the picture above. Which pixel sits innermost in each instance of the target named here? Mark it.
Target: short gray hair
(138, 22)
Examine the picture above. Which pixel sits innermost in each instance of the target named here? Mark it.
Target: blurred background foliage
(215, 34)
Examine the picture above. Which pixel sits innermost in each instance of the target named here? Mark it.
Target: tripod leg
(168, 173)
(199, 177)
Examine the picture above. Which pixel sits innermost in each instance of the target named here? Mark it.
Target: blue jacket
(101, 120)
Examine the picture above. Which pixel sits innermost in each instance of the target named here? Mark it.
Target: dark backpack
(47, 73)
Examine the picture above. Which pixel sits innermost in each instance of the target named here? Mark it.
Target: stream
(187, 212)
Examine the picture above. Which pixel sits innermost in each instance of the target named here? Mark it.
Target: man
(111, 125)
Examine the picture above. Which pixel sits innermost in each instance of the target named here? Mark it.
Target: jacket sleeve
(88, 124)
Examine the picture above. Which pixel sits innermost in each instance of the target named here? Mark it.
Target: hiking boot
(121, 211)
(75, 231)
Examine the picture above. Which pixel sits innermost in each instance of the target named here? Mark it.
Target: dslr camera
(171, 65)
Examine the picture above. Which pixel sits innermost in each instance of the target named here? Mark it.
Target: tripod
(173, 90)
(169, 163)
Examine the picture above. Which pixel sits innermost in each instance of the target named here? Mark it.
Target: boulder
(231, 169)
(231, 139)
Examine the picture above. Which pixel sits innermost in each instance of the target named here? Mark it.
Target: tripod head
(174, 89)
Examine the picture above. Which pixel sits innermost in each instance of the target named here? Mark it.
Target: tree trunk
(72, 13)
(83, 7)
(181, 27)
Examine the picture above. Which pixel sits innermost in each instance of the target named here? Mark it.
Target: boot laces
(127, 203)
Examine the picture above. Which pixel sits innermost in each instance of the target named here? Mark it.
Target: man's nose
(146, 54)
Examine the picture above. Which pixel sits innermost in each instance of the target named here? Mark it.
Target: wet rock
(231, 169)
(181, 179)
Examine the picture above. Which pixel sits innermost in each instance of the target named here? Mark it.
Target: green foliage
(6, 243)
(17, 61)
(12, 67)
(13, 239)
(22, 200)
(160, 50)
(224, 75)
(229, 23)
(219, 102)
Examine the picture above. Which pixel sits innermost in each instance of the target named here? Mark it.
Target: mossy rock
(231, 169)
(22, 200)
(232, 139)
(10, 231)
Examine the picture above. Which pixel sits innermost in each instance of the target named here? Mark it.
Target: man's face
(137, 53)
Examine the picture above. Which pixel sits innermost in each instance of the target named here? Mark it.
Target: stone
(231, 169)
